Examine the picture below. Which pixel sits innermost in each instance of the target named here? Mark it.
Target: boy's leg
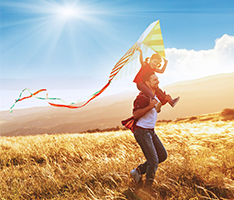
(164, 98)
(161, 96)
(174, 101)
(145, 89)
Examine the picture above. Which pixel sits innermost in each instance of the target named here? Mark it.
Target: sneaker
(158, 107)
(136, 175)
(173, 102)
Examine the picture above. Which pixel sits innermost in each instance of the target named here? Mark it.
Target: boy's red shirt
(144, 69)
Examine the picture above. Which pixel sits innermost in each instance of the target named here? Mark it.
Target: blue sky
(38, 41)
(74, 44)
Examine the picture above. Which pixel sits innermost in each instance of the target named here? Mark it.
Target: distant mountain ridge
(200, 96)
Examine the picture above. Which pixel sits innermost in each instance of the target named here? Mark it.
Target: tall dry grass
(200, 164)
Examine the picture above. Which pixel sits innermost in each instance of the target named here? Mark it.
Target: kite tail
(66, 105)
(73, 106)
(48, 99)
(31, 95)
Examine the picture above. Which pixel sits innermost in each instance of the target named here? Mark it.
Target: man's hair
(147, 75)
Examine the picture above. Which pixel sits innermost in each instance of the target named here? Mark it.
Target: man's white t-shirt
(148, 120)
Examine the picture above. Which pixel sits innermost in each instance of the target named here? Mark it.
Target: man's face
(153, 82)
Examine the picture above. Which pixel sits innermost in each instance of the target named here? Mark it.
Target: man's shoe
(158, 107)
(136, 175)
(173, 102)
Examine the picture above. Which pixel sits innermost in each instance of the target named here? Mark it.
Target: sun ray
(46, 28)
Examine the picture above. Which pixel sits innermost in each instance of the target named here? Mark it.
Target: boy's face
(155, 63)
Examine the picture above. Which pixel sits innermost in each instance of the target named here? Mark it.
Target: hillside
(201, 96)
(205, 95)
(97, 166)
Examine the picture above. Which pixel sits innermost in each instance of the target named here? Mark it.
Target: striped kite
(151, 40)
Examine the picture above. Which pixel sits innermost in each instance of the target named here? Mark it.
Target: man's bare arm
(142, 111)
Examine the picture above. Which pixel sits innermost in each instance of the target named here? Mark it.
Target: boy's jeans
(153, 150)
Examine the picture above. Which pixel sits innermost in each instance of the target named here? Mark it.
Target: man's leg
(145, 140)
(143, 167)
(161, 151)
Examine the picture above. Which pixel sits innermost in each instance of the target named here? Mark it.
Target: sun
(68, 12)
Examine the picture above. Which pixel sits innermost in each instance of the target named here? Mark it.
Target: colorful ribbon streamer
(65, 105)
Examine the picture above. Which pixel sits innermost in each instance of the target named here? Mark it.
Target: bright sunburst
(45, 29)
(67, 12)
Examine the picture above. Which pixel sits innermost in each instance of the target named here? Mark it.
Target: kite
(150, 41)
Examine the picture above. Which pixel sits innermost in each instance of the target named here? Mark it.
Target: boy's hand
(139, 49)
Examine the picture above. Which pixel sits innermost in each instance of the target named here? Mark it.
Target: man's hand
(153, 102)
(142, 111)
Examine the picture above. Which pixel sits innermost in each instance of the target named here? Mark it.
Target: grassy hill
(201, 96)
(200, 163)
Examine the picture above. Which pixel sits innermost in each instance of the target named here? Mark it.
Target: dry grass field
(200, 162)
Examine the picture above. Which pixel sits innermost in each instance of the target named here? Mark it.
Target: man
(142, 124)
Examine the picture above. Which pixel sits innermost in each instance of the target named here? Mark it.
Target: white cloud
(190, 64)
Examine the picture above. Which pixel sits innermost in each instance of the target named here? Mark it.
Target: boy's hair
(147, 60)
(147, 75)
(156, 56)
